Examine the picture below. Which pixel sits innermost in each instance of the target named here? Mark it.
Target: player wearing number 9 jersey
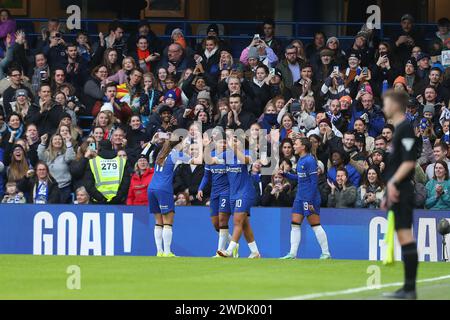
(160, 195)
(242, 197)
(307, 200)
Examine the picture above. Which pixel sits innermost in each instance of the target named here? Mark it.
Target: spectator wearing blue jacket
(340, 160)
(364, 108)
(438, 189)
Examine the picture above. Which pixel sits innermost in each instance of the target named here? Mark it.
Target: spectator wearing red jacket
(143, 174)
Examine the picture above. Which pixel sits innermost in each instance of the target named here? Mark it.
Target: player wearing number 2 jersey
(307, 200)
(160, 195)
(242, 197)
(216, 172)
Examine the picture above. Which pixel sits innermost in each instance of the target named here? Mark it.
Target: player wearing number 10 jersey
(307, 200)
(242, 197)
(216, 171)
(160, 195)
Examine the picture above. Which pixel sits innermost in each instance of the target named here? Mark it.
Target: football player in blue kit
(307, 200)
(216, 171)
(242, 196)
(160, 193)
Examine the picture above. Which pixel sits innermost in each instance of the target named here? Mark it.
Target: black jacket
(284, 199)
(186, 179)
(262, 96)
(28, 186)
(9, 96)
(48, 121)
(246, 119)
(78, 170)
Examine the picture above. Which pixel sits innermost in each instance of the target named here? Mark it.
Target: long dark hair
(286, 140)
(112, 68)
(444, 164)
(379, 181)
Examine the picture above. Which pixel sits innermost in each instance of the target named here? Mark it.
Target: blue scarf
(269, 121)
(333, 117)
(19, 132)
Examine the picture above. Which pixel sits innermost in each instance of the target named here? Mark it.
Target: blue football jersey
(307, 176)
(217, 173)
(163, 176)
(239, 178)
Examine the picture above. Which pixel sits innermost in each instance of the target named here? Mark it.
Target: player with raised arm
(216, 172)
(160, 193)
(242, 197)
(307, 201)
(399, 174)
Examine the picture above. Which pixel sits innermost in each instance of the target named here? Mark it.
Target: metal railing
(186, 26)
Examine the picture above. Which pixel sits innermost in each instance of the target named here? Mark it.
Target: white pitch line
(360, 289)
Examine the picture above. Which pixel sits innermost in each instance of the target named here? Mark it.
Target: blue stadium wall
(127, 230)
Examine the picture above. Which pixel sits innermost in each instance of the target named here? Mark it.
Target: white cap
(107, 106)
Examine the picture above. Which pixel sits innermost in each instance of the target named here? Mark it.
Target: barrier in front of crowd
(239, 29)
(128, 231)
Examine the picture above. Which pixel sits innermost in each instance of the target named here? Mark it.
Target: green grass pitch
(45, 277)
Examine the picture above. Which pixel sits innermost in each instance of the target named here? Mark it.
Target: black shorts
(403, 210)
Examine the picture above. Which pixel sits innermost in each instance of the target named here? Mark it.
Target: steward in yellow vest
(109, 176)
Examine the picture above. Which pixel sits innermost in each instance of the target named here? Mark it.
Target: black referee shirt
(404, 148)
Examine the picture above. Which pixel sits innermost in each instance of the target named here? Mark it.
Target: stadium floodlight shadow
(444, 229)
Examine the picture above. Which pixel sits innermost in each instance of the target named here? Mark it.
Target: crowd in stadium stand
(137, 87)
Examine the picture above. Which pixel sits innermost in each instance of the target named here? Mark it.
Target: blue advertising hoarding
(128, 230)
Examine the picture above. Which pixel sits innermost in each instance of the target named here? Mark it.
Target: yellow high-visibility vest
(108, 174)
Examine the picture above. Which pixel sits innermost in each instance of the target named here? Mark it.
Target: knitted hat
(362, 34)
(204, 95)
(165, 108)
(354, 55)
(360, 137)
(407, 17)
(326, 120)
(107, 106)
(177, 31)
(429, 108)
(347, 99)
(368, 90)
(21, 93)
(380, 151)
(422, 55)
(412, 61)
(170, 95)
(332, 39)
(326, 52)
(253, 53)
(438, 65)
(105, 145)
(278, 73)
(401, 80)
(412, 102)
(65, 115)
(213, 28)
(18, 146)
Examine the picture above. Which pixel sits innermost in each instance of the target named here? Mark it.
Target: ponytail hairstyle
(166, 148)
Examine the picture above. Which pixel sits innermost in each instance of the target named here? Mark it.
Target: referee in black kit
(399, 173)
